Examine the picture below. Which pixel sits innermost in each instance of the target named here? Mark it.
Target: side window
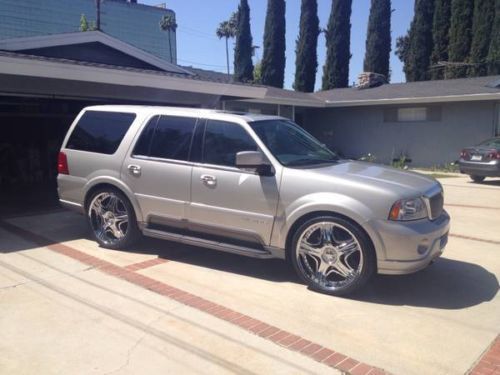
(223, 140)
(172, 137)
(100, 132)
(144, 143)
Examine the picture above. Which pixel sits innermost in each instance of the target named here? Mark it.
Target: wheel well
(98, 187)
(311, 215)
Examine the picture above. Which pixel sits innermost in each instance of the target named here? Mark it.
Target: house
(426, 122)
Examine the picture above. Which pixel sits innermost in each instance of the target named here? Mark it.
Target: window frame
(220, 166)
(198, 122)
(79, 119)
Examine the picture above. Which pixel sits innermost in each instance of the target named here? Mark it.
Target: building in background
(135, 24)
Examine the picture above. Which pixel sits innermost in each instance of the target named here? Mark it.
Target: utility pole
(98, 18)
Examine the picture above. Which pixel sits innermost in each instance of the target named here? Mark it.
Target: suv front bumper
(412, 245)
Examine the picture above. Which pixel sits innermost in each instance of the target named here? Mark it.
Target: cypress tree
(306, 62)
(273, 61)
(494, 49)
(243, 66)
(460, 37)
(418, 56)
(378, 38)
(440, 36)
(482, 22)
(338, 40)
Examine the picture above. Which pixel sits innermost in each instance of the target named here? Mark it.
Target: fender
(324, 202)
(112, 178)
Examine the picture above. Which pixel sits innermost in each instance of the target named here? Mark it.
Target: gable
(94, 52)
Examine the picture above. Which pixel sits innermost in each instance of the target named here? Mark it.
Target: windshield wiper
(310, 161)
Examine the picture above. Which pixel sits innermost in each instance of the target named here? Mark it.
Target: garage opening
(31, 133)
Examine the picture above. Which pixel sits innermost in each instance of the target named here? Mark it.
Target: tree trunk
(227, 57)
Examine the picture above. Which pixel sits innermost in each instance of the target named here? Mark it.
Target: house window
(412, 114)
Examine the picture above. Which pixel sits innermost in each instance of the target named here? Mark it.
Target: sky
(198, 46)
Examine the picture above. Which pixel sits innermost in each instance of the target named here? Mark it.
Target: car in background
(481, 161)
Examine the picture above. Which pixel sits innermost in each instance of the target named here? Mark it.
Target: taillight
(62, 164)
(494, 155)
(464, 154)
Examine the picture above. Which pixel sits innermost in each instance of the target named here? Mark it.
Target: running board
(214, 245)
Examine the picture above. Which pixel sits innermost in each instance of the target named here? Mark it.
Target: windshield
(292, 145)
(493, 142)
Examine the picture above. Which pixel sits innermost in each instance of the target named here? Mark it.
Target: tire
(332, 255)
(477, 178)
(111, 218)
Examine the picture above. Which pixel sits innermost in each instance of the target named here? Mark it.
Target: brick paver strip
(268, 332)
(146, 264)
(489, 363)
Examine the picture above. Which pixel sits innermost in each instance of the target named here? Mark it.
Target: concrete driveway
(68, 306)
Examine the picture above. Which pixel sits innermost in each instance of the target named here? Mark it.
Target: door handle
(134, 170)
(208, 180)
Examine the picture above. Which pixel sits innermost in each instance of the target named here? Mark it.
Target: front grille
(436, 203)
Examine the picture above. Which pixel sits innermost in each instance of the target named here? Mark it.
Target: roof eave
(418, 100)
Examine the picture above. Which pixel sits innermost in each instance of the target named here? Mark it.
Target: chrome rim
(108, 218)
(329, 255)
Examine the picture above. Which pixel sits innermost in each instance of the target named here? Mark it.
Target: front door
(158, 170)
(228, 201)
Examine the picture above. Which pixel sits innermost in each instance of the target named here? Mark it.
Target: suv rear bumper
(413, 245)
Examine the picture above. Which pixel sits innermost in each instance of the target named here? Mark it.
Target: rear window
(166, 137)
(100, 132)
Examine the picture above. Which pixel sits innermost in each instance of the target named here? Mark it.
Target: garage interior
(31, 135)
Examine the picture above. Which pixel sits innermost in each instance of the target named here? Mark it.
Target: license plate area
(476, 157)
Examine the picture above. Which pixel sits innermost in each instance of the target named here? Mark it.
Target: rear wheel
(112, 219)
(332, 255)
(477, 178)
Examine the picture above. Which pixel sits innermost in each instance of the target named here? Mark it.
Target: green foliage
(306, 63)
(401, 163)
(402, 46)
(493, 58)
(226, 30)
(378, 38)
(338, 41)
(460, 37)
(440, 36)
(243, 66)
(273, 61)
(257, 73)
(417, 57)
(84, 25)
(482, 22)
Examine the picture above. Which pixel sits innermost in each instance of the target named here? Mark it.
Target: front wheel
(112, 219)
(332, 255)
(477, 178)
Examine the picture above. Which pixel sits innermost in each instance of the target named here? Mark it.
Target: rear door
(228, 201)
(158, 171)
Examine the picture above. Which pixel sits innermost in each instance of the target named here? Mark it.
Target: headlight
(408, 209)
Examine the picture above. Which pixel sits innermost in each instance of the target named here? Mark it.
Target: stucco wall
(356, 131)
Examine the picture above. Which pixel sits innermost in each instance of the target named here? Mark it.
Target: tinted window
(172, 137)
(223, 140)
(100, 132)
(144, 142)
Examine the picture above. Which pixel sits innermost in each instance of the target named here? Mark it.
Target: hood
(404, 183)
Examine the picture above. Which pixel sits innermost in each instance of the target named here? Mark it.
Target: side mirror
(254, 160)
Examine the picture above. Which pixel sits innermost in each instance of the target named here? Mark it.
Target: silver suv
(248, 184)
